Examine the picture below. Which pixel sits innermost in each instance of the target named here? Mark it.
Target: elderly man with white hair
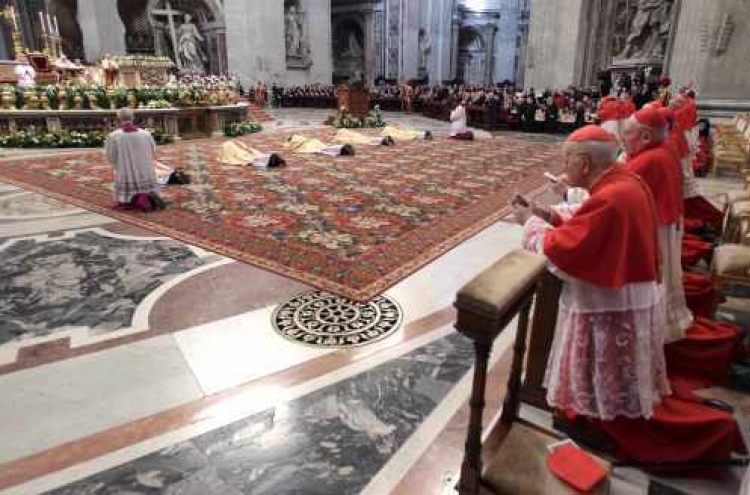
(607, 358)
(131, 151)
(649, 155)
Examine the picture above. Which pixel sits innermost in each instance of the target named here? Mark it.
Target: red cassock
(620, 205)
(660, 169)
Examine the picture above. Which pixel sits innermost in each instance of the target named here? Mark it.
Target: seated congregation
(624, 336)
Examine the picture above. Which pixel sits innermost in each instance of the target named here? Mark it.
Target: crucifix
(171, 14)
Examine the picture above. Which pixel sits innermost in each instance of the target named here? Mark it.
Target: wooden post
(471, 469)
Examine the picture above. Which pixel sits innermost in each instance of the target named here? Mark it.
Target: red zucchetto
(591, 133)
(650, 117)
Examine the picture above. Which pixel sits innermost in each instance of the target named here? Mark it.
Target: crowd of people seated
(487, 106)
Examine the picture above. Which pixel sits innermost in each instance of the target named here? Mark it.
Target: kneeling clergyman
(607, 359)
(131, 152)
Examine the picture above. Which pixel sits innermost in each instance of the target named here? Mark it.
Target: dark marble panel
(89, 280)
(331, 441)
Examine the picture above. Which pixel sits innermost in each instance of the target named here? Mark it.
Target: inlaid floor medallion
(321, 319)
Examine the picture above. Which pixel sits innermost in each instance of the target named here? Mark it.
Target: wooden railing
(486, 307)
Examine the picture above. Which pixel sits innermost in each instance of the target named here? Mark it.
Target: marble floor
(131, 363)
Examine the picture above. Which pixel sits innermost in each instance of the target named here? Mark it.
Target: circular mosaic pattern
(321, 319)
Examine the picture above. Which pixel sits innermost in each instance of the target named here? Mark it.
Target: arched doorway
(471, 56)
(348, 48)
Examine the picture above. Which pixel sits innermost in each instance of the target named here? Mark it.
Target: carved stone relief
(297, 41)
(649, 29)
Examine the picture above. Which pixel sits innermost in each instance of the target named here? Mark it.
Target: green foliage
(346, 121)
(234, 129)
(62, 139)
(161, 137)
(67, 139)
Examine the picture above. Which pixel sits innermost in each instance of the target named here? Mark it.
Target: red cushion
(700, 294)
(695, 250)
(705, 354)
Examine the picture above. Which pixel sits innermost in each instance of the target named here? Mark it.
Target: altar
(355, 100)
(180, 123)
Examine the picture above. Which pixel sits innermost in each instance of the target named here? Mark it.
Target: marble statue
(189, 46)
(649, 31)
(425, 47)
(293, 25)
(353, 48)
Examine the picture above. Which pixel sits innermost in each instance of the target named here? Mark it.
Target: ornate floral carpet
(354, 226)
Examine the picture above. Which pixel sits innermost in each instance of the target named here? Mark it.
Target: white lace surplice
(607, 357)
(679, 317)
(690, 187)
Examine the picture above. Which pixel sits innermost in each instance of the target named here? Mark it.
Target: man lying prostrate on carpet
(238, 153)
(131, 152)
(302, 144)
(347, 136)
(458, 128)
(607, 378)
(404, 135)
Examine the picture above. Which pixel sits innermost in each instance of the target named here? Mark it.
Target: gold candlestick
(47, 45)
(18, 49)
(9, 13)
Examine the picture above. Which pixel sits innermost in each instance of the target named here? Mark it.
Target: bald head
(637, 137)
(586, 161)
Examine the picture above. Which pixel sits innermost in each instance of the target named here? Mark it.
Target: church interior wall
(103, 30)
(256, 46)
(553, 38)
(718, 59)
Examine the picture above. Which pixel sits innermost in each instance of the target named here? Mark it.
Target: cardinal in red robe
(651, 155)
(607, 359)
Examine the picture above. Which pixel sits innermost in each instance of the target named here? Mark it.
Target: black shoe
(275, 161)
(157, 203)
(389, 141)
(428, 135)
(347, 150)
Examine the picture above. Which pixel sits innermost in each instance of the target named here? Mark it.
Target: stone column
(456, 27)
(103, 31)
(369, 31)
(489, 63)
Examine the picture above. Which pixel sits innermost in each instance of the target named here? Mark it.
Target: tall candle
(49, 24)
(41, 21)
(57, 28)
(13, 15)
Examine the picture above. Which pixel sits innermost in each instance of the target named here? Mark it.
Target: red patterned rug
(354, 226)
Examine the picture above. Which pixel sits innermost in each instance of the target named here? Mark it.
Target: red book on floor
(576, 467)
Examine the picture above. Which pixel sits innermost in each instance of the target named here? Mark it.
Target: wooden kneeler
(515, 450)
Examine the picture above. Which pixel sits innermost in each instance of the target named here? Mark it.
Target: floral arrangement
(161, 137)
(158, 104)
(62, 139)
(346, 121)
(234, 129)
(67, 139)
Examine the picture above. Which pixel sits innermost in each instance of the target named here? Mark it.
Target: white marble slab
(49, 405)
(236, 350)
